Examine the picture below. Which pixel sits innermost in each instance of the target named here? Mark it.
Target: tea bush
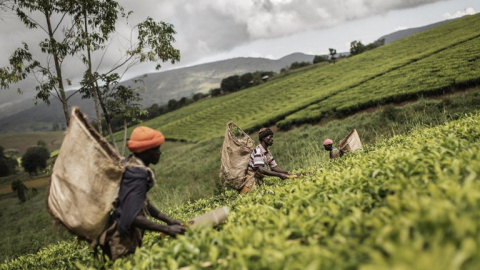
(409, 202)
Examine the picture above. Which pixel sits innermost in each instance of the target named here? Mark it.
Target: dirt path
(39, 182)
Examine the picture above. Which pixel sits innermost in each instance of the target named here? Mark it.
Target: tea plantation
(407, 203)
(410, 202)
(431, 62)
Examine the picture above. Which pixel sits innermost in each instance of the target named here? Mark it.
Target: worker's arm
(154, 212)
(143, 223)
(280, 170)
(264, 171)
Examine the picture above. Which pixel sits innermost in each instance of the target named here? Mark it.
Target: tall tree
(4, 169)
(357, 47)
(320, 59)
(57, 46)
(231, 83)
(35, 158)
(95, 22)
(153, 43)
(82, 28)
(333, 52)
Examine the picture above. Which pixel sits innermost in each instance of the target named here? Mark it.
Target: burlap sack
(351, 142)
(236, 150)
(85, 179)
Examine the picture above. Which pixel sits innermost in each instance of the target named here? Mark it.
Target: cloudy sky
(211, 30)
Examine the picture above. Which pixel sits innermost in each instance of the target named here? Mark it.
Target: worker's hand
(283, 176)
(173, 230)
(173, 221)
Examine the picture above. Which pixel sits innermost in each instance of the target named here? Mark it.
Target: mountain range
(160, 87)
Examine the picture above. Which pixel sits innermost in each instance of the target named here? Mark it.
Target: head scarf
(264, 132)
(327, 142)
(144, 138)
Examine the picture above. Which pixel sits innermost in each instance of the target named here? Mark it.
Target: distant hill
(160, 88)
(408, 32)
(184, 82)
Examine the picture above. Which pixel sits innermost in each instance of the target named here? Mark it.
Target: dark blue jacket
(136, 182)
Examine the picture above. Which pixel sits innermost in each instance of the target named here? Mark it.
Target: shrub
(34, 159)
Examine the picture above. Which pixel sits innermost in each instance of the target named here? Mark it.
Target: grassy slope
(410, 202)
(26, 226)
(336, 84)
(188, 172)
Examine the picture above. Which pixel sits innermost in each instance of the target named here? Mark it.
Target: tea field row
(410, 202)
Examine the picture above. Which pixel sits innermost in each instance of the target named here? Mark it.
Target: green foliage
(57, 46)
(26, 227)
(296, 65)
(320, 59)
(42, 143)
(238, 82)
(403, 203)
(333, 53)
(20, 188)
(357, 47)
(8, 163)
(35, 158)
(231, 83)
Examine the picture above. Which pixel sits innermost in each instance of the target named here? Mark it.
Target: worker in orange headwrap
(132, 207)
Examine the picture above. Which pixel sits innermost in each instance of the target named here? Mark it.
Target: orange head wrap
(144, 138)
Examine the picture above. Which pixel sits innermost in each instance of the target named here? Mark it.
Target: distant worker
(334, 152)
(262, 163)
(129, 221)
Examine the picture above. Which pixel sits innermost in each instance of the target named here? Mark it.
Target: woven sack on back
(85, 180)
(236, 150)
(351, 142)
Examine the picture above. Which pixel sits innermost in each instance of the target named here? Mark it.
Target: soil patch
(39, 182)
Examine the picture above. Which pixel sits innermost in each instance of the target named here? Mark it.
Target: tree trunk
(58, 70)
(124, 136)
(107, 120)
(91, 78)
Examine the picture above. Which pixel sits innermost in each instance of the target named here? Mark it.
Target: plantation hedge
(408, 203)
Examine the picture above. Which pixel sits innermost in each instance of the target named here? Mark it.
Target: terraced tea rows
(380, 75)
(452, 67)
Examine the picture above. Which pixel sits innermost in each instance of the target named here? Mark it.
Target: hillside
(401, 204)
(431, 62)
(160, 87)
(410, 31)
